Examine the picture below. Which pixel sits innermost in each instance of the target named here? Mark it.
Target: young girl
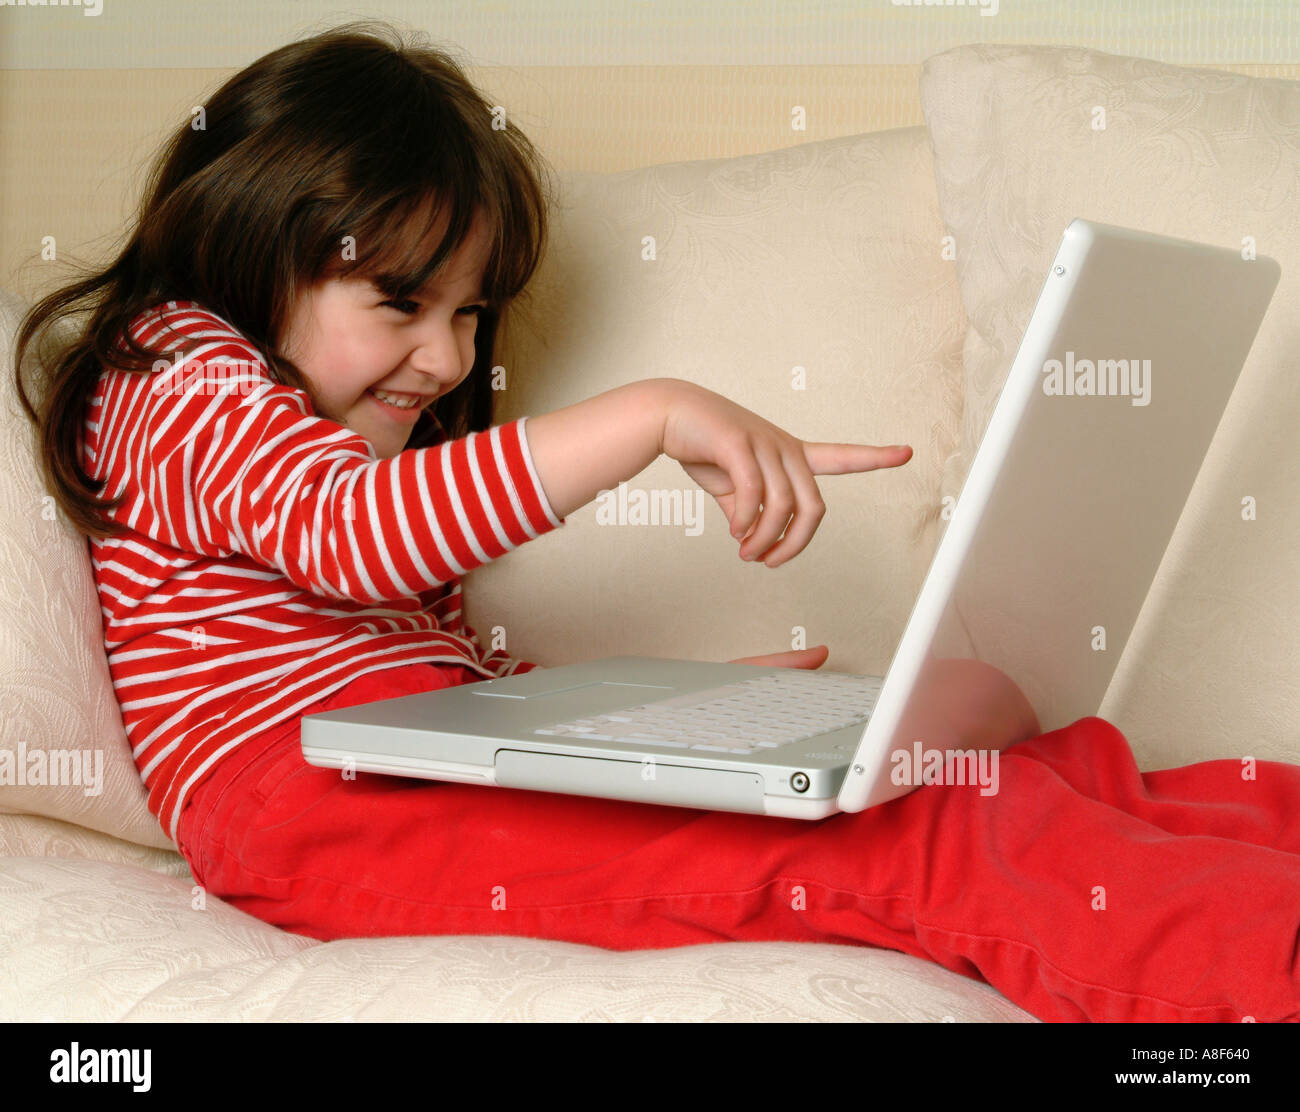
(281, 389)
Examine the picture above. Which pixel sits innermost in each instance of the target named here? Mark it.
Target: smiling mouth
(406, 402)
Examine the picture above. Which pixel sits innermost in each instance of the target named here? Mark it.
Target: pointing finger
(847, 459)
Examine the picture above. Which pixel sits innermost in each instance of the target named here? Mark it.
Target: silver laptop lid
(1103, 422)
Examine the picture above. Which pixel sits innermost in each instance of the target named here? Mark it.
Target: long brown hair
(358, 132)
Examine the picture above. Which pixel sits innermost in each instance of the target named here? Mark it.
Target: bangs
(403, 243)
(412, 241)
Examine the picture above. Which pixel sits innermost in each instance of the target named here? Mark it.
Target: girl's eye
(408, 307)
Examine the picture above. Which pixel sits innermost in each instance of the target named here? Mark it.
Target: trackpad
(533, 685)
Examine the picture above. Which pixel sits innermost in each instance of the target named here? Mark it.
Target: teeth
(398, 400)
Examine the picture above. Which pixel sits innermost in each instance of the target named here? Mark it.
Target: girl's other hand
(760, 475)
(799, 658)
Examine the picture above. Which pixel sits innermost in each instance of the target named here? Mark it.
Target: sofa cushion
(824, 256)
(1020, 152)
(60, 712)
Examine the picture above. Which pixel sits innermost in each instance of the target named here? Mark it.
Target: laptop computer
(1102, 424)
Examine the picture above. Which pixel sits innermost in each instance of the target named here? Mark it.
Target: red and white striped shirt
(268, 557)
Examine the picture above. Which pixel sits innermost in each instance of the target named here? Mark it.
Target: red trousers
(1082, 890)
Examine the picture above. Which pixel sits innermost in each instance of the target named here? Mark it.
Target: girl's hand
(800, 658)
(760, 475)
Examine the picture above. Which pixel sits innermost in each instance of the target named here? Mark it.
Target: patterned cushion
(58, 699)
(824, 256)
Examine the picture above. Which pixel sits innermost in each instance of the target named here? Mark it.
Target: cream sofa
(897, 269)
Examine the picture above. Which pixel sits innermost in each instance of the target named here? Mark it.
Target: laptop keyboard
(748, 716)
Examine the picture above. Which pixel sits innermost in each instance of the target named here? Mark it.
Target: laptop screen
(1102, 424)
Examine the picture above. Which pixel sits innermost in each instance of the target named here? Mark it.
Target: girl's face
(349, 341)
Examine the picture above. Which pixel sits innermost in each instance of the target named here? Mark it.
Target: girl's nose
(438, 358)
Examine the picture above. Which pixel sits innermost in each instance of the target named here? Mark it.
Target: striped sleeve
(231, 461)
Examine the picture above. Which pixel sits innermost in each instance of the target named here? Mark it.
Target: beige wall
(86, 100)
(191, 34)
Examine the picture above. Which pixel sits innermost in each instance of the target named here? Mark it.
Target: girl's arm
(596, 444)
(213, 457)
(761, 476)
